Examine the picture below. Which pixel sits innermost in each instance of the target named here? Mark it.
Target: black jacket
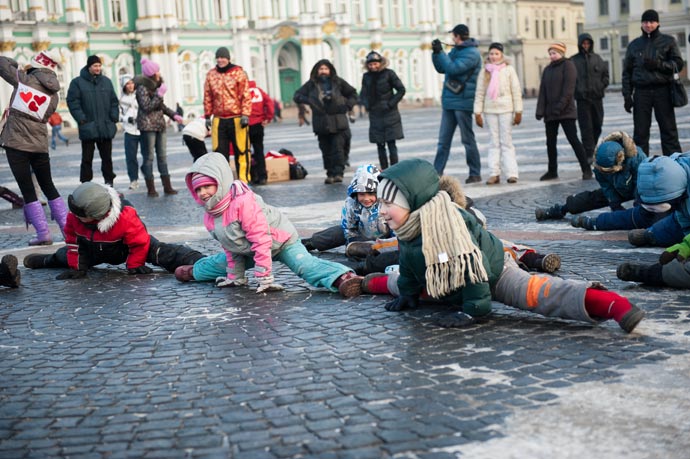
(381, 93)
(592, 72)
(93, 104)
(556, 91)
(329, 100)
(649, 61)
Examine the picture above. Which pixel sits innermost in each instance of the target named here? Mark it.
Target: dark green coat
(418, 181)
(93, 104)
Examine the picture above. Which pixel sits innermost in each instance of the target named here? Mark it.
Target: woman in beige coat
(499, 98)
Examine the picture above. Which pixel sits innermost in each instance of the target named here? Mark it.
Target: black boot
(40, 261)
(641, 237)
(545, 263)
(306, 242)
(555, 212)
(647, 274)
(9, 274)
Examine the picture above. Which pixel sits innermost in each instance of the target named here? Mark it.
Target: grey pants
(676, 274)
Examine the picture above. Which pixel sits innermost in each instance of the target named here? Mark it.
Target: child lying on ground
(101, 228)
(446, 253)
(253, 234)
(672, 270)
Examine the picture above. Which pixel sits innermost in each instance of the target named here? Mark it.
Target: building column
(310, 40)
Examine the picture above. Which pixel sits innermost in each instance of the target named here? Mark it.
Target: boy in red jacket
(101, 228)
(262, 114)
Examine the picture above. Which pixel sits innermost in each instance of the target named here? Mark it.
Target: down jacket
(328, 116)
(151, 105)
(463, 64)
(557, 92)
(93, 104)
(509, 98)
(120, 237)
(592, 72)
(248, 228)
(381, 93)
(22, 132)
(620, 186)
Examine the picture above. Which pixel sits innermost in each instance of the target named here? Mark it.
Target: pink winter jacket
(248, 227)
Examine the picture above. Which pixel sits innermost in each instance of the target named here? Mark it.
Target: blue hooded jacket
(665, 179)
(463, 64)
(615, 169)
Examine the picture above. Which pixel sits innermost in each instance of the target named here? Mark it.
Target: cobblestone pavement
(116, 366)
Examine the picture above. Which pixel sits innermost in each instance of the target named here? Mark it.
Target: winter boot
(58, 212)
(40, 261)
(555, 212)
(306, 242)
(545, 263)
(349, 284)
(647, 274)
(582, 221)
(9, 274)
(376, 283)
(35, 215)
(184, 273)
(151, 188)
(167, 187)
(641, 237)
(359, 249)
(12, 197)
(631, 319)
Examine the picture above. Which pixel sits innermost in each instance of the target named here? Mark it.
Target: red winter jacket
(120, 237)
(262, 105)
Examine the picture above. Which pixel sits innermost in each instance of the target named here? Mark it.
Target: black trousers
(658, 99)
(226, 134)
(570, 131)
(196, 147)
(105, 151)
(590, 118)
(586, 200)
(256, 138)
(22, 163)
(332, 152)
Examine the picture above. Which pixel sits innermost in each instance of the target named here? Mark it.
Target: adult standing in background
(129, 109)
(461, 67)
(25, 137)
(93, 104)
(330, 99)
(590, 87)
(262, 114)
(381, 93)
(227, 99)
(648, 68)
(556, 105)
(151, 123)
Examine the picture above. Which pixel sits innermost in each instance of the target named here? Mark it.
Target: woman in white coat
(499, 99)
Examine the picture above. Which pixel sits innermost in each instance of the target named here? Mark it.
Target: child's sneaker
(631, 319)
(184, 273)
(349, 284)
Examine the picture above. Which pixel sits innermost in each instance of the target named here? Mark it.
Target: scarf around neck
(494, 69)
(237, 188)
(450, 254)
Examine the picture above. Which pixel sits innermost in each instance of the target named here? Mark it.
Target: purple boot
(58, 212)
(33, 211)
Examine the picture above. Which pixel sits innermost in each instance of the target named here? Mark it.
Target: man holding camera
(330, 99)
(461, 67)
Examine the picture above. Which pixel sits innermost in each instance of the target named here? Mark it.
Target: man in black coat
(592, 80)
(648, 68)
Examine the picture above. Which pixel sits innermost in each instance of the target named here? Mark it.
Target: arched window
(189, 87)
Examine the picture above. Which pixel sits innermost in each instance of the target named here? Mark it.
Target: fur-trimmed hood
(452, 186)
(609, 158)
(93, 200)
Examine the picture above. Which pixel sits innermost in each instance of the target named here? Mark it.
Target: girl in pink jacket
(252, 235)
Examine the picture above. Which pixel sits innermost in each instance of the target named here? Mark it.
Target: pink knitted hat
(149, 68)
(199, 180)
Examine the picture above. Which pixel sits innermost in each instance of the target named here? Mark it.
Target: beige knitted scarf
(450, 255)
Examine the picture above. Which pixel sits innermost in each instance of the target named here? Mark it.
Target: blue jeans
(316, 271)
(154, 143)
(632, 218)
(131, 147)
(56, 131)
(450, 119)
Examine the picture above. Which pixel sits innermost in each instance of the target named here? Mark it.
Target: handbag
(679, 96)
(455, 86)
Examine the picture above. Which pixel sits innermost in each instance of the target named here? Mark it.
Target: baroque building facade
(278, 41)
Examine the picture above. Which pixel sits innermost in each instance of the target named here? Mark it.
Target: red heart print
(40, 99)
(33, 107)
(26, 96)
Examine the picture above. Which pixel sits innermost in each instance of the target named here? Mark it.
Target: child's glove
(267, 284)
(140, 270)
(244, 121)
(71, 274)
(223, 282)
(402, 302)
(677, 251)
(162, 89)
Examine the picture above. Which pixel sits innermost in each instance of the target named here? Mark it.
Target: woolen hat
(661, 179)
(90, 200)
(374, 57)
(388, 191)
(93, 60)
(198, 180)
(46, 60)
(650, 15)
(223, 52)
(460, 30)
(497, 46)
(149, 68)
(558, 47)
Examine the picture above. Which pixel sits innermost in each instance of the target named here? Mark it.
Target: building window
(603, 7)
(604, 43)
(543, 23)
(54, 7)
(382, 11)
(563, 25)
(411, 14)
(553, 30)
(536, 27)
(117, 13)
(188, 80)
(680, 39)
(396, 11)
(676, 1)
(479, 26)
(625, 7)
(526, 24)
(357, 11)
(328, 7)
(93, 11)
(624, 41)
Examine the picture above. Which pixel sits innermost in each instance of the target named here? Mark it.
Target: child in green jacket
(446, 254)
(672, 270)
